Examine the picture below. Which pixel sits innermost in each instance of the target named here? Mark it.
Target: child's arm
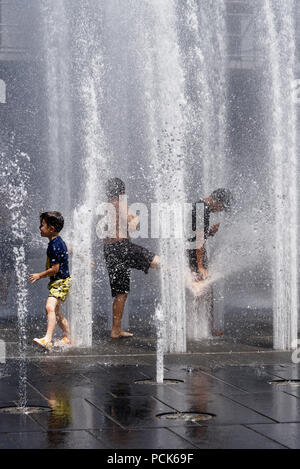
(200, 254)
(47, 273)
(214, 229)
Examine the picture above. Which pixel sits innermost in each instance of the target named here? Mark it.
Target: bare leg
(51, 316)
(62, 321)
(118, 308)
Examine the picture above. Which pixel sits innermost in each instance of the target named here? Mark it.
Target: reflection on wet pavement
(101, 401)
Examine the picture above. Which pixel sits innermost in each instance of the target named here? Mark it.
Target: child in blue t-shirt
(57, 268)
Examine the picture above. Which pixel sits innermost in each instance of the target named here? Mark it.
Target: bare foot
(118, 334)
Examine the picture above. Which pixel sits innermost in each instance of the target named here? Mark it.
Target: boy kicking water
(57, 268)
(121, 255)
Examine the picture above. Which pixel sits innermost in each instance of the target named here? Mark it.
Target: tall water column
(164, 89)
(204, 49)
(57, 65)
(88, 70)
(278, 38)
(73, 68)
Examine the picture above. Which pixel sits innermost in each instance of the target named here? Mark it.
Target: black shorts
(122, 256)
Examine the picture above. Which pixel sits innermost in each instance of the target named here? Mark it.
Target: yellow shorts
(60, 288)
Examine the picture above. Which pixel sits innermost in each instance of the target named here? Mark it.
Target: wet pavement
(96, 401)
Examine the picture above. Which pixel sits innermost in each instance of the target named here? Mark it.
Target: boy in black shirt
(220, 200)
(57, 268)
(121, 255)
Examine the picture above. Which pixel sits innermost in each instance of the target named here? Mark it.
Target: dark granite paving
(287, 434)
(77, 439)
(227, 437)
(158, 438)
(6, 442)
(97, 399)
(278, 406)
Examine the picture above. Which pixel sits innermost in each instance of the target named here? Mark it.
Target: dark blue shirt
(57, 253)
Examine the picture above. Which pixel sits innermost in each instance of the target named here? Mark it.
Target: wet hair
(54, 219)
(114, 188)
(223, 195)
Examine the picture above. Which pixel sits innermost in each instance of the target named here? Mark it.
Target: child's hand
(214, 229)
(202, 274)
(34, 277)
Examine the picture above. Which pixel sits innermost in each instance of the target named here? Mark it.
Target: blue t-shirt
(57, 253)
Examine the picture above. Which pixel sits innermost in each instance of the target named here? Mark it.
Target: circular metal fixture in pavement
(285, 382)
(186, 416)
(166, 381)
(24, 410)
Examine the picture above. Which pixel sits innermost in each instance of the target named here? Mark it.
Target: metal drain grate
(285, 382)
(190, 369)
(166, 381)
(186, 416)
(25, 410)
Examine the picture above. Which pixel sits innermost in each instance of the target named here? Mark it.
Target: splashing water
(90, 71)
(14, 180)
(74, 68)
(160, 344)
(164, 83)
(57, 67)
(182, 104)
(205, 74)
(279, 45)
(199, 288)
